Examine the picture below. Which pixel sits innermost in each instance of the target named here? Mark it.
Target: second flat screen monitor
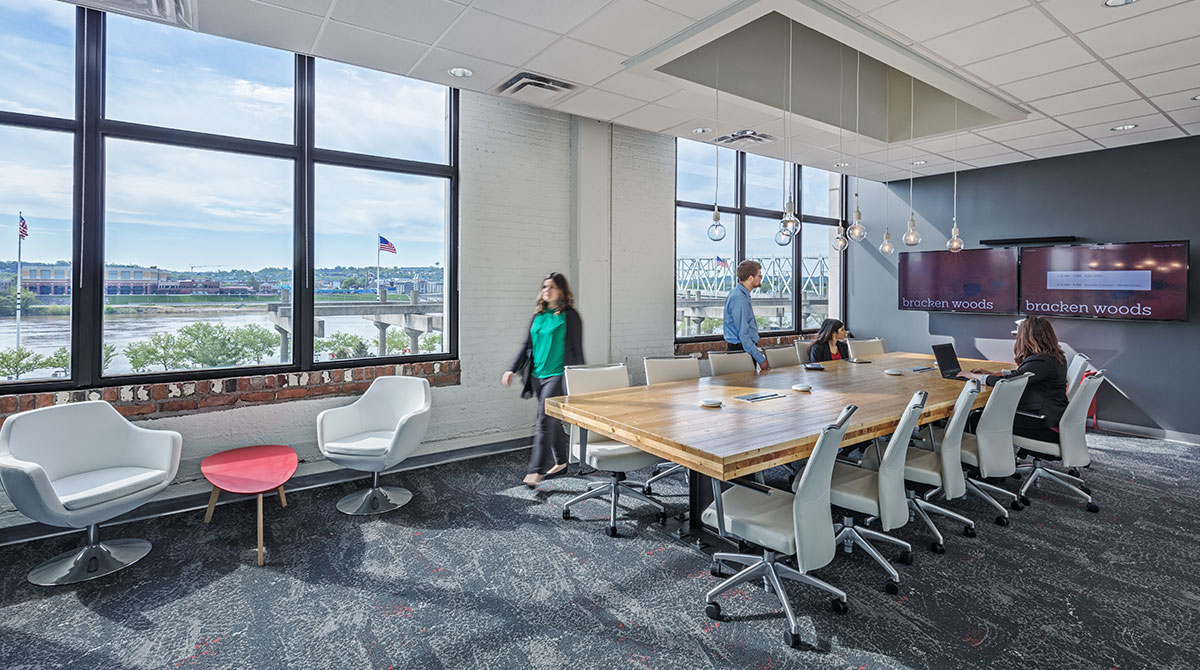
(983, 281)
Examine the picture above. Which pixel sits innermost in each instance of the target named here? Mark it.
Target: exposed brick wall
(152, 401)
(702, 348)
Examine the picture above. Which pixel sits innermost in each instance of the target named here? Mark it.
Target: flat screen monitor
(1144, 281)
(982, 281)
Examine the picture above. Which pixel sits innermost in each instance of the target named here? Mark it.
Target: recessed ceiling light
(1125, 126)
(919, 162)
(1118, 3)
(1196, 97)
(841, 165)
(459, 72)
(701, 131)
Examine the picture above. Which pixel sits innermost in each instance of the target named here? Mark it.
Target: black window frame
(91, 128)
(740, 212)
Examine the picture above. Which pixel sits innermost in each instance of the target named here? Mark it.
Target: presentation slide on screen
(1115, 281)
(975, 280)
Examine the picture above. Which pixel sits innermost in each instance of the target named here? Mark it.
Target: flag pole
(378, 248)
(20, 238)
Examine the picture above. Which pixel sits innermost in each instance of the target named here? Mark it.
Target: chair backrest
(867, 347)
(729, 363)
(389, 398)
(1078, 366)
(782, 357)
(67, 439)
(1072, 427)
(810, 508)
(950, 449)
(993, 433)
(671, 369)
(893, 505)
(802, 350)
(591, 378)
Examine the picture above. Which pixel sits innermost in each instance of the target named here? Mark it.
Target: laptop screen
(947, 360)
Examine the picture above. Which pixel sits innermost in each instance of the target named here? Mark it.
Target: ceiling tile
(316, 7)
(1003, 34)
(1192, 128)
(1178, 100)
(1140, 138)
(1057, 83)
(366, 48)
(1080, 15)
(691, 100)
(1011, 131)
(943, 144)
(630, 26)
(1064, 149)
(745, 116)
(1183, 79)
(975, 153)
(638, 86)
(924, 19)
(684, 129)
(1047, 140)
(1104, 131)
(1036, 60)
(1110, 113)
(864, 6)
(1186, 116)
(418, 20)
(597, 104)
(1147, 30)
(488, 75)
(696, 9)
(652, 117)
(1098, 96)
(576, 61)
(495, 38)
(1000, 159)
(260, 24)
(553, 15)
(1159, 59)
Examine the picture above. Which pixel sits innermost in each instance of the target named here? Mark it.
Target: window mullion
(303, 281)
(87, 313)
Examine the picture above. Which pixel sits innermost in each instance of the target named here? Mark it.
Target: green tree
(109, 353)
(397, 340)
(431, 342)
(343, 345)
(208, 345)
(351, 282)
(8, 301)
(59, 360)
(19, 361)
(253, 283)
(255, 341)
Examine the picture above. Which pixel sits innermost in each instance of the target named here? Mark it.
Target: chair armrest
(158, 449)
(1032, 415)
(337, 422)
(30, 491)
(752, 485)
(410, 430)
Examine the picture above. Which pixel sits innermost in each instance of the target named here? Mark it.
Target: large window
(799, 277)
(210, 204)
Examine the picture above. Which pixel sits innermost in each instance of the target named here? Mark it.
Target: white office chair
(605, 454)
(988, 453)
(660, 370)
(730, 363)
(869, 347)
(878, 494)
(376, 432)
(1071, 448)
(1078, 366)
(782, 357)
(783, 524)
(77, 465)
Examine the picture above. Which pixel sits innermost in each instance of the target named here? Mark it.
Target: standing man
(741, 330)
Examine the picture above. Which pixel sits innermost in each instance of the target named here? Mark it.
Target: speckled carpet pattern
(480, 572)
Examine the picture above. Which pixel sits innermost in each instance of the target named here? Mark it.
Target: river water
(45, 334)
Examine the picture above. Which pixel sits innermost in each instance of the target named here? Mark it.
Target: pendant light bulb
(955, 244)
(911, 237)
(840, 242)
(783, 237)
(885, 247)
(789, 223)
(857, 231)
(716, 232)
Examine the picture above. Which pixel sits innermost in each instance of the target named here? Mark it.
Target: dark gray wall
(1149, 192)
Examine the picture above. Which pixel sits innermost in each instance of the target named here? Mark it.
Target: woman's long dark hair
(1035, 335)
(568, 299)
(825, 334)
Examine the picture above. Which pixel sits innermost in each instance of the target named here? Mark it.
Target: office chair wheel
(1016, 505)
(906, 557)
(839, 606)
(937, 548)
(892, 588)
(1074, 472)
(648, 490)
(566, 514)
(713, 611)
(1093, 507)
(662, 518)
(969, 531)
(1025, 501)
(611, 531)
(1085, 490)
(1001, 520)
(714, 569)
(791, 639)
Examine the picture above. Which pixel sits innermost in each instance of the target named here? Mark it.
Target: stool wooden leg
(260, 530)
(212, 504)
(282, 498)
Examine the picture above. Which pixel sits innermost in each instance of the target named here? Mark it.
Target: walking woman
(554, 340)
(830, 344)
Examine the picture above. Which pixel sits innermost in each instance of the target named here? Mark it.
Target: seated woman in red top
(830, 344)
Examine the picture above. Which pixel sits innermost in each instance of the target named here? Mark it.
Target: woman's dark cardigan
(572, 349)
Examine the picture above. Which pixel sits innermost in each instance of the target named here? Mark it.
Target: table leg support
(260, 529)
(212, 505)
(282, 497)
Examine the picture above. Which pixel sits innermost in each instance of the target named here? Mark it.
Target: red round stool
(250, 470)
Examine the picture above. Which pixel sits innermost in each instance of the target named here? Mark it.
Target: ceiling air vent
(746, 137)
(180, 13)
(534, 88)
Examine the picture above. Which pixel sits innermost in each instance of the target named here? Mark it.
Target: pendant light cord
(787, 128)
(912, 112)
(857, 132)
(956, 165)
(887, 147)
(716, 144)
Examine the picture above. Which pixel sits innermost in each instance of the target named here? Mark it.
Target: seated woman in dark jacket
(1036, 350)
(830, 344)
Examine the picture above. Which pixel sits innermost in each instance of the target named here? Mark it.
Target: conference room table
(741, 438)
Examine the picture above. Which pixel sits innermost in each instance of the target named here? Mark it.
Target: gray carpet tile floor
(480, 572)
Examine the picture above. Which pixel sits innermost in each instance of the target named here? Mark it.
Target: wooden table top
(742, 438)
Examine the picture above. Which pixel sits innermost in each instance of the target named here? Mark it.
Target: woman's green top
(549, 338)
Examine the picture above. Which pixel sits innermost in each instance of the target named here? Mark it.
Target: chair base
(663, 471)
(919, 508)
(848, 535)
(981, 489)
(767, 568)
(1070, 482)
(89, 562)
(375, 500)
(615, 487)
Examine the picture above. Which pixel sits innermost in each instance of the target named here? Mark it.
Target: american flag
(22, 229)
(722, 263)
(384, 245)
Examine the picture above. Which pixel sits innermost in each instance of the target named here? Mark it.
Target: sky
(176, 207)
